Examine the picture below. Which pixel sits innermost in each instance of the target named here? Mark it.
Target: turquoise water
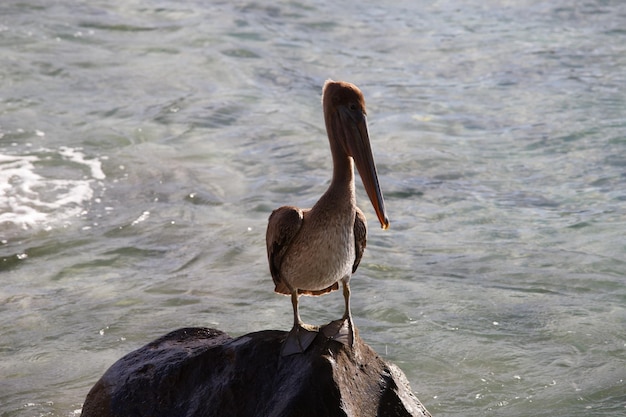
(144, 144)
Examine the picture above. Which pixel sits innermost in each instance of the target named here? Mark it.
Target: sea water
(144, 144)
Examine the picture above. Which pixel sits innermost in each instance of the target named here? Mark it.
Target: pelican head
(346, 124)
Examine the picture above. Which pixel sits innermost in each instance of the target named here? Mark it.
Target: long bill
(359, 146)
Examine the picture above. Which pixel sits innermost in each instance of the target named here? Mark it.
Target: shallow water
(144, 144)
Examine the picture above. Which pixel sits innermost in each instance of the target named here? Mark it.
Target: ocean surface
(143, 145)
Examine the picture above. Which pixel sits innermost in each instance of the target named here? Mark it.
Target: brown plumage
(311, 250)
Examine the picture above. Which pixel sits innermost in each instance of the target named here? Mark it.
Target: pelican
(311, 250)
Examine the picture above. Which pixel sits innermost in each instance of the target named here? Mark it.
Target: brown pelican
(311, 250)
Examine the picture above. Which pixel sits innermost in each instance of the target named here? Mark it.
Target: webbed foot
(299, 339)
(340, 330)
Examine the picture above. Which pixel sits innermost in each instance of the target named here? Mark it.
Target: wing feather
(283, 225)
(360, 238)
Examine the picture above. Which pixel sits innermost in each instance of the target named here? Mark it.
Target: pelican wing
(283, 225)
(360, 237)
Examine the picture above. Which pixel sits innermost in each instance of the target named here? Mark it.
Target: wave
(46, 188)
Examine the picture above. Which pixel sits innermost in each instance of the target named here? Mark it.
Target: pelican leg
(342, 330)
(301, 335)
(347, 314)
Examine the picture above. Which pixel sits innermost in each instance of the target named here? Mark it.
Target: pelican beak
(358, 144)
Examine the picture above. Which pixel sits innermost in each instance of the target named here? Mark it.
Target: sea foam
(46, 188)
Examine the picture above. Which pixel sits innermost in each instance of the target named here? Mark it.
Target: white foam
(144, 216)
(75, 156)
(30, 197)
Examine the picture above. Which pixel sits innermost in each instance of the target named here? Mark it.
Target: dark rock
(198, 372)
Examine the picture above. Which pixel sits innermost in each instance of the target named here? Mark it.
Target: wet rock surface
(202, 372)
